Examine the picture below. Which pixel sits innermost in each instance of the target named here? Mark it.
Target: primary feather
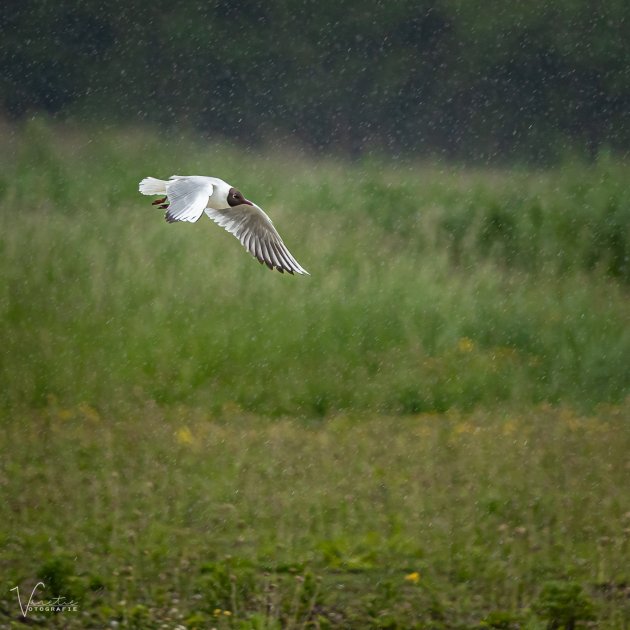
(254, 229)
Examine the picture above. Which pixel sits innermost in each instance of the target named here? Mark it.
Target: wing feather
(283, 259)
(272, 253)
(187, 196)
(254, 229)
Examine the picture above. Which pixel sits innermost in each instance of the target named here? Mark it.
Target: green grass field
(431, 431)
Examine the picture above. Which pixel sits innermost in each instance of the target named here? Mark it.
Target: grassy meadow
(430, 431)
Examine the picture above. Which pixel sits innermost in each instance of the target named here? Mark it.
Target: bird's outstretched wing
(187, 196)
(254, 229)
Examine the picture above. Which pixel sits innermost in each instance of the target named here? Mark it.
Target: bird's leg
(158, 201)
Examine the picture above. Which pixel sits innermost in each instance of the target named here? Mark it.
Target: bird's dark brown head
(235, 198)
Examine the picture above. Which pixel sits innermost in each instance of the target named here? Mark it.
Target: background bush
(475, 79)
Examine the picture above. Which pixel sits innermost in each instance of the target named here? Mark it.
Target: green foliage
(455, 369)
(139, 617)
(563, 604)
(430, 290)
(224, 581)
(505, 519)
(59, 579)
(259, 621)
(502, 620)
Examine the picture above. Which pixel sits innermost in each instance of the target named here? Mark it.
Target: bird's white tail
(152, 186)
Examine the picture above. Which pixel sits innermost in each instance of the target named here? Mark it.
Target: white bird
(187, 197)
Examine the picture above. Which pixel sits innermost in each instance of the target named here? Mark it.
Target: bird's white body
(190, 195)
(216, 200)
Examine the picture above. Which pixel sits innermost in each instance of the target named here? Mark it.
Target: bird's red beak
(249, 203)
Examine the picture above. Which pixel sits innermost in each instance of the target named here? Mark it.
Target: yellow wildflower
(227, 613)
(89, 413)
(465, 344)
(573, 423)
(184, 436)
(216, 612)
(509, 427)
(414, 577)
(464, 427)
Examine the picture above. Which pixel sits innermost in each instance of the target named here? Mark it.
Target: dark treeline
(471, 79)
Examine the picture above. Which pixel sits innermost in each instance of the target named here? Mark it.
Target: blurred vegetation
(466, 79)
(175, 518)
(431, 288)
(430, 431)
